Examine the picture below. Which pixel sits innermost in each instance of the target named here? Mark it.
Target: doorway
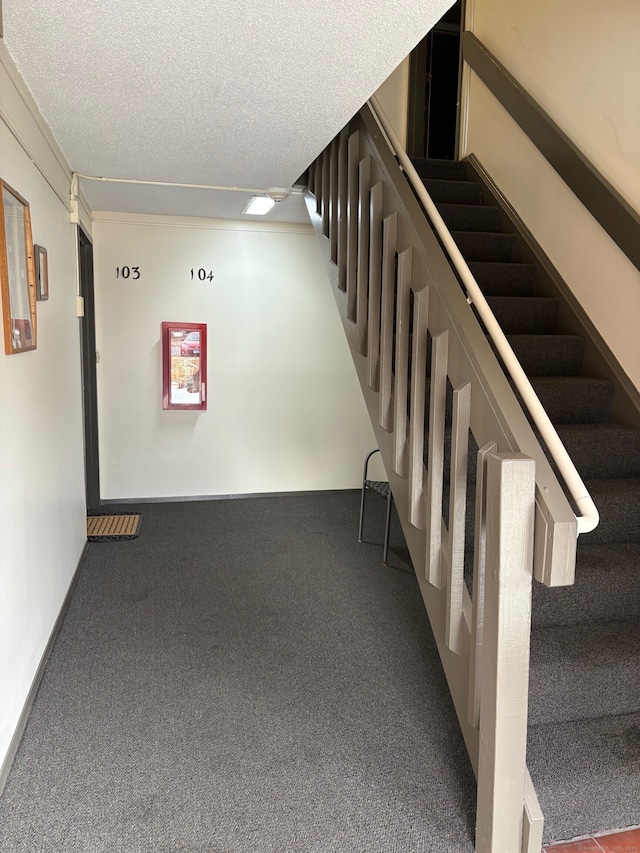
(89, 375)
(434, 75)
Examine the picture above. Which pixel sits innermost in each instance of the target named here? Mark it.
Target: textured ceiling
(225, 93)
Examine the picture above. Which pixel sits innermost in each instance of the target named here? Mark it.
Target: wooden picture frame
(17, 273)
(41, 263)
(184, 366)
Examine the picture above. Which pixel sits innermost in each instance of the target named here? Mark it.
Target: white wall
(285, 411)
(580, 60)
(393, 96)
(42, 501)
(581, 63)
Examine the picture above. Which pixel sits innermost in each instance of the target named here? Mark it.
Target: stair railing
(589, 517)
(430, 379)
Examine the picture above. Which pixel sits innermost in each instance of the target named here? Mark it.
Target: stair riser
(602, 453)
(619, 508)
(453, 192)
(548, 355)
(574, 402)
(485, 247)
(440, 169)
(504, 279)
(524, 315)
(607, 585)
(461, 217)
(583, 671)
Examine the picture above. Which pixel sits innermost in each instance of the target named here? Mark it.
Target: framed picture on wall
(17, 273)
(184, 366)
(42, 273)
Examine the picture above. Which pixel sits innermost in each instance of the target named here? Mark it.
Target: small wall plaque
(184, 366)
(42, 273)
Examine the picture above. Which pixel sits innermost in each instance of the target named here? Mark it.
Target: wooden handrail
(602, 200)
(589, 517)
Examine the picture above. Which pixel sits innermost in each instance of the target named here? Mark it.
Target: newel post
(505, 652)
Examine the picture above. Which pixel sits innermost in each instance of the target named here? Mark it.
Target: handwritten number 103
(128, 272)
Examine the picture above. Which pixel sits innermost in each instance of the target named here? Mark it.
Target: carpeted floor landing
(243, 678)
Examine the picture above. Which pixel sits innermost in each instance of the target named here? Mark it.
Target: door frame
(89, 373)
(419, 88)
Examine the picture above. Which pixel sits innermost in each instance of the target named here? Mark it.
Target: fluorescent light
(258, 205)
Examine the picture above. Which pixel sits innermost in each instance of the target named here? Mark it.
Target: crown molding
(112, 217)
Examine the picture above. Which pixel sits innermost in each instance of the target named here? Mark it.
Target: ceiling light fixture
(259, 205)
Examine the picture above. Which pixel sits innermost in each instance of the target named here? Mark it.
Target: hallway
(243, 677)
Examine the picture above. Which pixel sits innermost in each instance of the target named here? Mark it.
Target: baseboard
(232, 497)
(35, 684)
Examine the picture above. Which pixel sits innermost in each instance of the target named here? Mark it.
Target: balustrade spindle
(435, 464)
(418, 399)
(333, 202)
(457, 512)
(326, 189)
(389, 241)
(375, 285)
(352, 223)
(362, 278)
(401, 372)
(479, 564)
(343, 187)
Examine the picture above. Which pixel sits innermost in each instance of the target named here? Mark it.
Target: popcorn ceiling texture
(228, 93)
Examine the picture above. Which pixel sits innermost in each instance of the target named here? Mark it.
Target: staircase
(540, 646)
(583, 749)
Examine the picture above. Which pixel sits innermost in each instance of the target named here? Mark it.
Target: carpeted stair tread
(574, 399)
(525, 315)
(618, 502)
(584, 770)
(469, 217)
(497, 278)
(549, 355)
(586, 670)
(607, 586)
(602, 450)
(453, 192)
(485, 246)
(448, 170)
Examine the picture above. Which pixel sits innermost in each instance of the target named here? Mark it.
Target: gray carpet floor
(243, 677)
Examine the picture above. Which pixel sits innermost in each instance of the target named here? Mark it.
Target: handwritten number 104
(202, 274)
